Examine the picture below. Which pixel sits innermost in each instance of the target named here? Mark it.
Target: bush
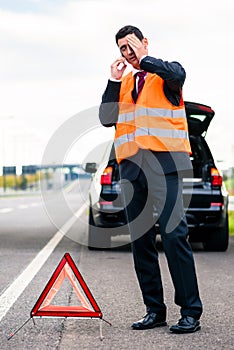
(20, 181)
(229, 183)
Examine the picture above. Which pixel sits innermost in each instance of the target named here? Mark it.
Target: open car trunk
(199, 117)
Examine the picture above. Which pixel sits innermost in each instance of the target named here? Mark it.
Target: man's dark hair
(128, 30)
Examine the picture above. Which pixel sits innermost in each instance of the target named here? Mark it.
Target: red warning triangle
(66, 269)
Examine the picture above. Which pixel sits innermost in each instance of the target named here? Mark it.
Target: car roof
(199, 117)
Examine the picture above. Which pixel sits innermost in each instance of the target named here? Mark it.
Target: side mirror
(90, 168)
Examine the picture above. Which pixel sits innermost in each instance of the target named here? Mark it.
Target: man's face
(128, 53)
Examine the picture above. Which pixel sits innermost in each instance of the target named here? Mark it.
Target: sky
(56, 55)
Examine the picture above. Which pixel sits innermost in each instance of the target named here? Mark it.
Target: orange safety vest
(153, 123)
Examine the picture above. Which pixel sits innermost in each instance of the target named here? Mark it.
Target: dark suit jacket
(173, 75)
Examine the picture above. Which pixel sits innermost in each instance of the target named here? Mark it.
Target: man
(152, 148)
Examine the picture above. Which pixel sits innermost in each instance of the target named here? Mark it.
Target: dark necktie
(141, 81)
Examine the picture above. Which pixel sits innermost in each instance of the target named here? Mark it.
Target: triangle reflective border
(66, 269)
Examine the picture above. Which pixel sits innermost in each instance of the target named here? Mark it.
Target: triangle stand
(87, 308)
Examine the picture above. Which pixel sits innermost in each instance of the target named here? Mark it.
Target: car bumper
(197, 218)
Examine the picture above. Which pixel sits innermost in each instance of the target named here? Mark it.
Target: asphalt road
(28, 223)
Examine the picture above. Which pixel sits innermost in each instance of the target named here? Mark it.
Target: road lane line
(34, 204)
(22, 206)
(12, 293)
(6, 210)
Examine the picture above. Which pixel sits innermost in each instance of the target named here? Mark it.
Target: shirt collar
(135, 71)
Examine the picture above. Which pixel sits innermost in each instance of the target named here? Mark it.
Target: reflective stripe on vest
(153, 112)
(174, 134)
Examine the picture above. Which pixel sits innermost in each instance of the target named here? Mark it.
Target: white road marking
(6, 210)
(22, 206)
(34, 204)
(12, 293)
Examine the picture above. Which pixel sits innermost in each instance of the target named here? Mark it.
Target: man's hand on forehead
(138, 46)
(133, 40)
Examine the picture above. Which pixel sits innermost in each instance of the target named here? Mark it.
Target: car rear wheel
(98, 238)
(217, 240)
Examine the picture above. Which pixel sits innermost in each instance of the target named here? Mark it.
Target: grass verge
(231, 222)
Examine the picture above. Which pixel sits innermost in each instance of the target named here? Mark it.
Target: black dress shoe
(186, 324)
(150, 320)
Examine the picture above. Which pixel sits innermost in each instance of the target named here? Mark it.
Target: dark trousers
(164, 193)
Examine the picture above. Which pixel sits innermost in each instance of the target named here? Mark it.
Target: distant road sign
(29, 169)
(9, 170)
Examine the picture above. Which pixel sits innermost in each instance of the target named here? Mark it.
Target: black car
(205, 193)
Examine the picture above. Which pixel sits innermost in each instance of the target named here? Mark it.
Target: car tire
(97, 240)
(218, 239)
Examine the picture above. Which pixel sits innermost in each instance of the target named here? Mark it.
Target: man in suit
(152, 148)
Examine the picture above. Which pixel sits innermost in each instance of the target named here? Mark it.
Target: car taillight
(216, 204)
(106, 177)
(216, 178)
